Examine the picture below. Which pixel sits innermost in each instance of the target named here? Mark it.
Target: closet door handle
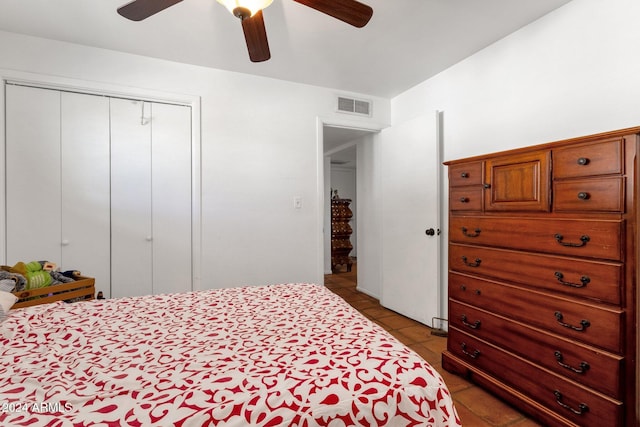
(65, 242)
(149, 238)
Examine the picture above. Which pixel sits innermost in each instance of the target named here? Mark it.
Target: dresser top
(595, 137)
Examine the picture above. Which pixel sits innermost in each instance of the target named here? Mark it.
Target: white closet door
(131, 232)
(171, 198)
(85, 186)
(32, 174)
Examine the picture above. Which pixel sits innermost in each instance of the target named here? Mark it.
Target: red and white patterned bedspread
(293, 354)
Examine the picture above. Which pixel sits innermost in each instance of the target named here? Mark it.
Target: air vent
(354, 106)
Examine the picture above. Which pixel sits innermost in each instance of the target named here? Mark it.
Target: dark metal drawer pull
(582, 161)
(464, 175)
(583, 195)
(582, 408)
(584, 324)
(474, 325)
(584, 366)
(583, 239)
(473, 355)
(476, 232)
(584, 280)
(464, 200)
(471, 264)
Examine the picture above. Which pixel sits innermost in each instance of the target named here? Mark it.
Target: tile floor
(475, 407)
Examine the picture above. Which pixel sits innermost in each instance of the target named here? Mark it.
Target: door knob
(430, 232)
(65, 242)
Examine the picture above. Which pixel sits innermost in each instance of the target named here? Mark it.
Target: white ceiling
(406, 41)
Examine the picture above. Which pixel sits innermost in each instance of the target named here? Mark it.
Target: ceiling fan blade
(350, 11)
(138, 10)
(255, 34)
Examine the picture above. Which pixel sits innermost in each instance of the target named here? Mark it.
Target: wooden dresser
(543, 303)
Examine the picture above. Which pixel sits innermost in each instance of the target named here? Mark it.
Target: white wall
(259, 151)
(573, 72)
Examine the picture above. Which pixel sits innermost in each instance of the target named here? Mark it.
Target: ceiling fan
(250, 13)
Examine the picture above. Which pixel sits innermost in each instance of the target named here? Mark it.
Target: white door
(85, 235)
(171, 197)
(150, 198)
(131, 231)
(101, 185)
(33, 190)
(410, 192)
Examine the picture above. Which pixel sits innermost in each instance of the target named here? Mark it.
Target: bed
(290, 354)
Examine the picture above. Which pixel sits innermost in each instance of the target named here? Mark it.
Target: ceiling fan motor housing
(241, 12)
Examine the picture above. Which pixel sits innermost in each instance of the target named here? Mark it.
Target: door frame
(372, 127)
(104, 89)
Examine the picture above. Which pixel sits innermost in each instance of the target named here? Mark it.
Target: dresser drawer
(594, 368)
(598, 158)
(569, 399)
(583, 238)
(465, 174)
(589, 194)
(594, 325)
(596, 280)
(465, 199)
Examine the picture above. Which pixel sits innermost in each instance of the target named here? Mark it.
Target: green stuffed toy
(35, 275)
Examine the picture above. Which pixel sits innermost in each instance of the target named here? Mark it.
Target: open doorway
(340, 150)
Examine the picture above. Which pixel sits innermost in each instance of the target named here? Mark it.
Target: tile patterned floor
(475, 407)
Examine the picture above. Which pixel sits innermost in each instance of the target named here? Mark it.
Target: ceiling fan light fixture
(244, 8)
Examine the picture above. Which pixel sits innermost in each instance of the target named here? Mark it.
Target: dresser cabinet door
(518, 182)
